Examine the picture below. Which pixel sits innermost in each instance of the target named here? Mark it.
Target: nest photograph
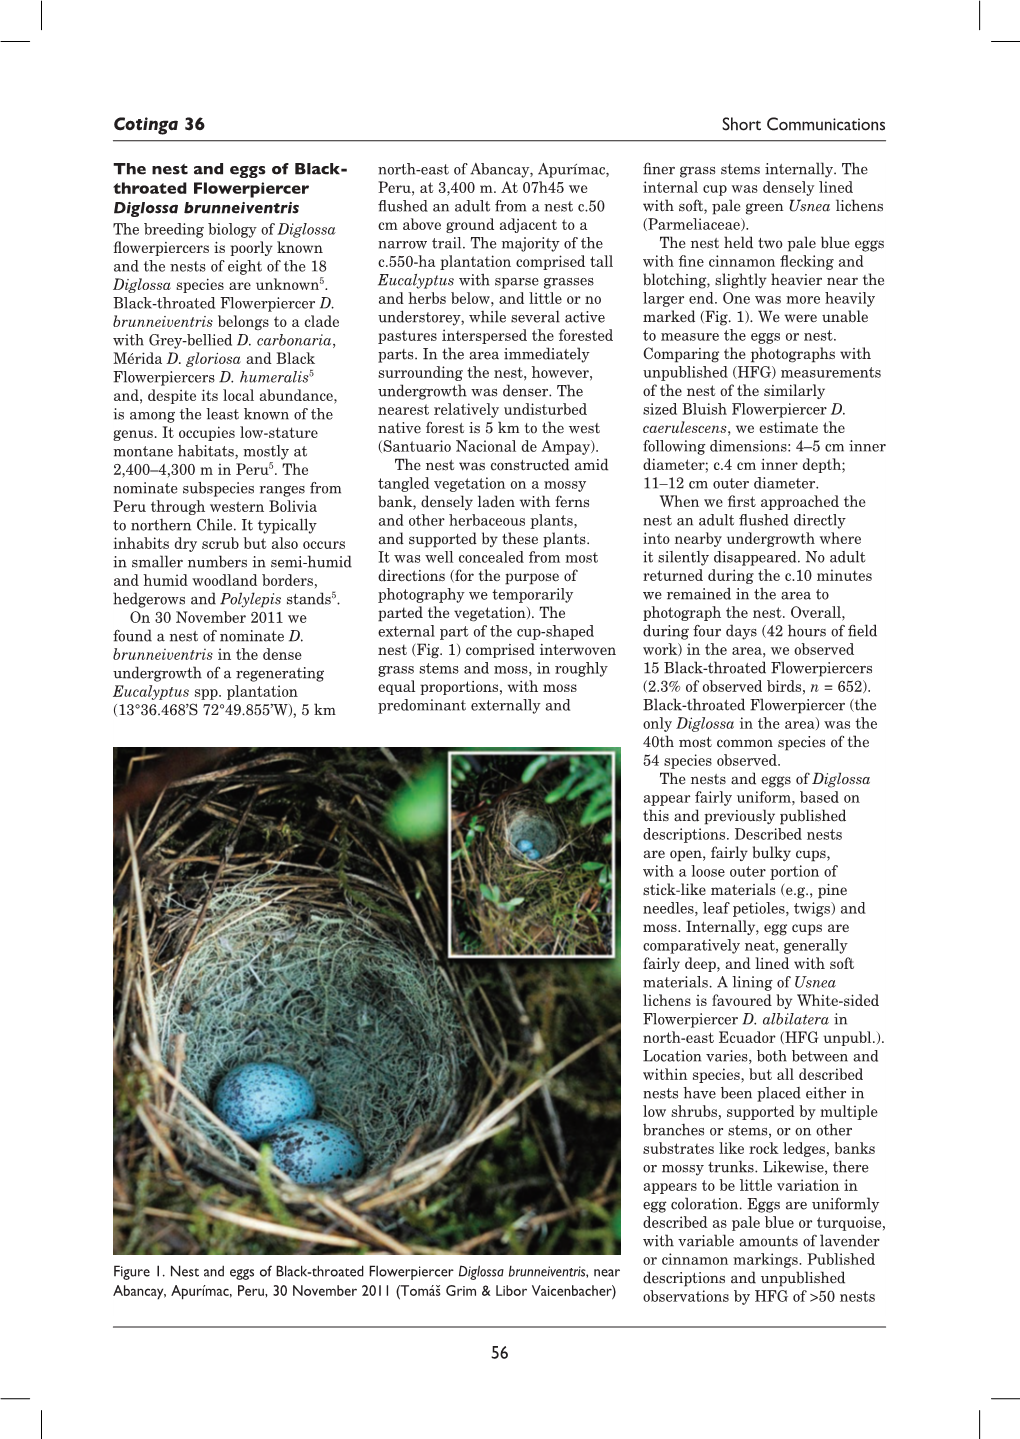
(299, 1067)
(533, 853)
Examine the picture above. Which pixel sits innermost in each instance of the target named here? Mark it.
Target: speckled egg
(314, 1151)
(259, 1099)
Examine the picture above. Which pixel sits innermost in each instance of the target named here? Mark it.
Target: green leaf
(419, 810)
(533, 768)
(596, 811)
(489, 892)
(588, 782)
(511, 902)
(592, 864)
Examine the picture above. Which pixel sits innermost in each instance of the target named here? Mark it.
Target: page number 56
(499, 1351)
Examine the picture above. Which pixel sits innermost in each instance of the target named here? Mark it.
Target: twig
(177, 766)
(269, 1226)
(547, 1099)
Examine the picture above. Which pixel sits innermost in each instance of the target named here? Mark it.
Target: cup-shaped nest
(524, 825)
(367, 1021)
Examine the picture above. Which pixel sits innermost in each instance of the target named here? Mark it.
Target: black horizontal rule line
(185, 140)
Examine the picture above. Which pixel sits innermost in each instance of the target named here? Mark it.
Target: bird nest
(554, 900)
(368, 1021)
(263, 913)
(520, 824)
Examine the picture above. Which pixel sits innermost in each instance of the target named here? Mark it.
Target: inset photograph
(533, 853)
(298, 1067)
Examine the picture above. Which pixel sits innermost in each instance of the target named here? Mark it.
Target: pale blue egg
(535, 854)
(314, 1151)
(524, 845)
(258, 1099)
